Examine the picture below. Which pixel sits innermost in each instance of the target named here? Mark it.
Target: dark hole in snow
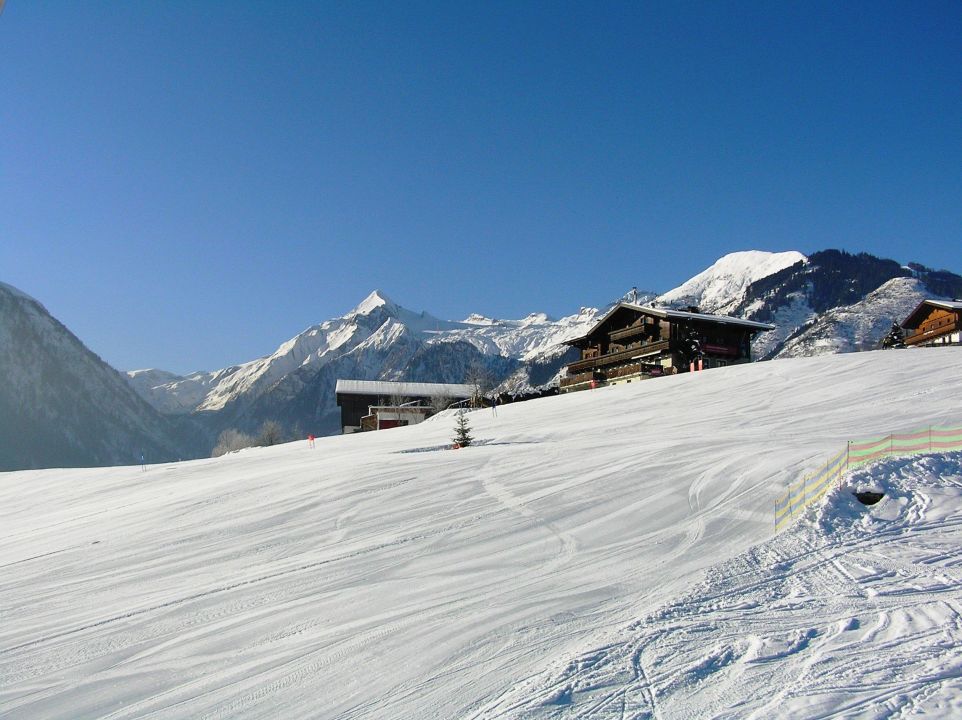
(560, 697)
(869, 497)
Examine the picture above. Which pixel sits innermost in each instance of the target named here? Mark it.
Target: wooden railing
(630, 332)
(623, 371)
(617, 357)
(932, 331)
(577, 379)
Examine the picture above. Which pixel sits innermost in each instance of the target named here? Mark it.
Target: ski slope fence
(802, 493)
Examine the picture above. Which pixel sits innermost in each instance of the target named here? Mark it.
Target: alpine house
(633, 342)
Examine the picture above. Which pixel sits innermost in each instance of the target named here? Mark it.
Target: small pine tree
(895, 337)
(462, 436)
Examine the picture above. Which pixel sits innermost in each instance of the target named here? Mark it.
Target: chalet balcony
(617, 358)
(932, 331)
(625, 371)
(579, 379)
(639, 331)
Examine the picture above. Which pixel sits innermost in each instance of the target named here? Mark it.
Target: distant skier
(310, 441)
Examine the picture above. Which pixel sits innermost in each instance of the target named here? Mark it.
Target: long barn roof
(403, 389)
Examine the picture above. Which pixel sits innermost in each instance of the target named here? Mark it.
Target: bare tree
(479, 377)
(439, 403)
(397, 399)
(231, 440)
(270, 433)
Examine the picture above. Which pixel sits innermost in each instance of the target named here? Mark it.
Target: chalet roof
(915, 317)
(664, 313)
(403, 389)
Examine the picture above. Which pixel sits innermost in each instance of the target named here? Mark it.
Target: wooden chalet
(382, 404)
(934, 322)
(632, 342)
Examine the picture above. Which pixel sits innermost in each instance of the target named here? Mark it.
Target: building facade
(934, 322)
(382, 404)
(632, 342)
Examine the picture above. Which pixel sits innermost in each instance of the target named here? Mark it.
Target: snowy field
(603, 554)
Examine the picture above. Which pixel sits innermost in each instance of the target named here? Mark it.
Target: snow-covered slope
(853, 613)
(720, 288)
(837, 302)
(384, 576)
(62, 405)
(860, 326)
(171, 393)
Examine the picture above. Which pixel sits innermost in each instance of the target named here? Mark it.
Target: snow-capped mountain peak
(476, 319)
(722, 286)
(375, 300)
(536, 318)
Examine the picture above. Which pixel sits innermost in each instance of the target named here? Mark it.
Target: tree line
(230, 440)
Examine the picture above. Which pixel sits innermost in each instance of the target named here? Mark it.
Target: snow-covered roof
(678, 314)
(405, 389)
(947, 304)
(723, 319)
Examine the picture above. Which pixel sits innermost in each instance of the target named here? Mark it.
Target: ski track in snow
(607, 554)
(844, 615)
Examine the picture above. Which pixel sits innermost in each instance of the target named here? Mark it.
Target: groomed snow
(552, 570)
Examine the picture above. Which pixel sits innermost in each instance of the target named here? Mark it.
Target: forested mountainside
(62, 406)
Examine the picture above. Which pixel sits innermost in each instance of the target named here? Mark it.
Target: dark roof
(674, 314)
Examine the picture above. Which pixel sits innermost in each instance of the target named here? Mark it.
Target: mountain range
(66, 406)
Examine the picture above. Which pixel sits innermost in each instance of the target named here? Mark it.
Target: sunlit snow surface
(856, 613)
(603, 554)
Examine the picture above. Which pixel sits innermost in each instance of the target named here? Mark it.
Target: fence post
(848, 450)
(891, 435)
(930, 438)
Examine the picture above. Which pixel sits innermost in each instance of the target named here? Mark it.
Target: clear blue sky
(188, 184)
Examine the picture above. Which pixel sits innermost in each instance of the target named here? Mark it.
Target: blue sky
(188, 184)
